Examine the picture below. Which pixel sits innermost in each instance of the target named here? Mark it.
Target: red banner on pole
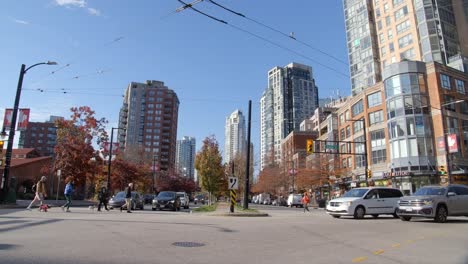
(452, 143)
(7, 118)
(23, 119)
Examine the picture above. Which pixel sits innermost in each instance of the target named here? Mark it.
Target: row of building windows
(445, 81)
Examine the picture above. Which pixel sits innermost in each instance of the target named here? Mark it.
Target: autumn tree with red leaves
(74, 149)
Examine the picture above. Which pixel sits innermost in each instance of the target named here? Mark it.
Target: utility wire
(290, 36)
(264, 39)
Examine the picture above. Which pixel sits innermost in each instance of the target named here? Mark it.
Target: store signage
(440, 144)
(452, 143)
(397, 174)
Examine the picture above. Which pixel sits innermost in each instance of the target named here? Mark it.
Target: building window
(447, 102)
(409, 54)
(405, 40)
(374, 99)
(342, 134)
(357, 108)
(400, 13)
(391, 47)
(377, 12)
(460, 85)
(376, 117)
(385, 8)
(342, 120)
(359, 149)
(379, 24)
(347, 117)
(348, 131)
(388, 20)
(357, 126)
(397, 2)
(381, 38)
(445, 81)
(403, 26)
(383, 51)
(390, 34)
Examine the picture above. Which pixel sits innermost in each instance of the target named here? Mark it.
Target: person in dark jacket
(68, 193)
(103, 196)
(128, 198)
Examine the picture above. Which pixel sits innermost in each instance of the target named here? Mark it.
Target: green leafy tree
(208, 163)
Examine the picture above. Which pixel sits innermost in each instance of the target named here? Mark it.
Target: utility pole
(247, 167)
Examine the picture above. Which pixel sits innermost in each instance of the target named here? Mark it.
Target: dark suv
(435, 202)
(166, 200)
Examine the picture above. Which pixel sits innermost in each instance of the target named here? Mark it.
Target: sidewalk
(51, 203)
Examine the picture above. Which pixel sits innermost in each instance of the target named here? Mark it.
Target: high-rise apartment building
(382, 32)
(235, 139)
(149, 115)
(291, 97)
(41, 136)
(185, 157)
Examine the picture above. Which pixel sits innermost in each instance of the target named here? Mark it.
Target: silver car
(184, 199)
(435, 202)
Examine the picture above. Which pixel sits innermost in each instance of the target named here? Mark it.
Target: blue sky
(213, 68)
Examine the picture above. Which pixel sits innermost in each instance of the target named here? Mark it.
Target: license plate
(409, 209)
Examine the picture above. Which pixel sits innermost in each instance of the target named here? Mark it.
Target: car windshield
(180, 195)
(166, 195)
(120, 195)
(355, 193)
(430, 191)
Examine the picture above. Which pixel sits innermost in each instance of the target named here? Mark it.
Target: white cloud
(94, 12)
(24, 22)
(77, 3)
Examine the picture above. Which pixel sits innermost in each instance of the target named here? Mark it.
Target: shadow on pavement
(13, 222)
(7, 246)
(449, 221)
(26, 225)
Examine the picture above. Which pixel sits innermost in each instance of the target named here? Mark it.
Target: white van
(359, 202)
(295, 200)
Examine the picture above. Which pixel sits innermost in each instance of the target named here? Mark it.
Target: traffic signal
(310, 146)
(442, 170)
(369, 174)
(1, 145)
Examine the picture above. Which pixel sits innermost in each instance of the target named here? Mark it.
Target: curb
(242, 214)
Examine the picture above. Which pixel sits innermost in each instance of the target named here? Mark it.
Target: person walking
(69, 187)
(306, 201)
(128, 198)
(103, 197)
(41, 192)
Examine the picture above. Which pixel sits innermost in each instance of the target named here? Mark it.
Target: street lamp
(110, 157)
(11, 134)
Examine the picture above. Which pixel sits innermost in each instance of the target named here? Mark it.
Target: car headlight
(348, 203)
(155, 201)
(172, 201)
(427, 202)
(398, 202)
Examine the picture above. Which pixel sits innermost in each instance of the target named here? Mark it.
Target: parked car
(262, 197)
(267, 201)
(199, 199)
(435, 202)
(255, 199)
(184, 200)
(359, 202)
(148, 198)
(166, 200)
(294, 200)
(118, 200)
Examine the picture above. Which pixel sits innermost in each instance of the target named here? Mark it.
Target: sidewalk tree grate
(188, 244)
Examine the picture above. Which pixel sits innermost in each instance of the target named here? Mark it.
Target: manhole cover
(188, 244)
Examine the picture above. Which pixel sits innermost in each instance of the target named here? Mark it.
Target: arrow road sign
(233, 183)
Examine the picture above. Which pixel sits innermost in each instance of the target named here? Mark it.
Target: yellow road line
(397, 245)
(409, 241)
(359, 259)
(378, 252)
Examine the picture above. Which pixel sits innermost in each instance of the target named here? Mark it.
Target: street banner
(7, 119)
(115, 147)
(23, 119)
(452, 143)
(440, 145)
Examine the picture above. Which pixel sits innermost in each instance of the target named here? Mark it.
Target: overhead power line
(290, 36)
(264, 39)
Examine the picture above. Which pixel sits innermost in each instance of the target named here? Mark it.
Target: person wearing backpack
(103, 196)
(68, 193)
(41, 192)
(306, 201)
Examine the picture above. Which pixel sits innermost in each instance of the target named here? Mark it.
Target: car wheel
(154, 209)
(375, 215)
(359, 212)
(336, 216)
(441, 214)
(405, 218)
(395, 214)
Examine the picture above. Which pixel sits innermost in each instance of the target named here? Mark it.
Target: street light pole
(11, 134)
(110, 157)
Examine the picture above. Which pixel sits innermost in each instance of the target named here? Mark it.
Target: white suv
(184, 199)
(359, 202)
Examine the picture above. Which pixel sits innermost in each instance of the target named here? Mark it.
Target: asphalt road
(287, 236)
